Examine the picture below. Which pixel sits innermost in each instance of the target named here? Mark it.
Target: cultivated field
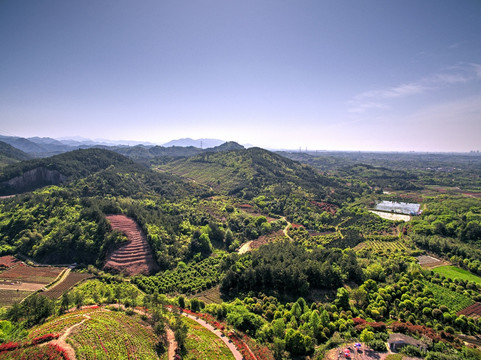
(30, 274)
(379, 245)
(454, 272)
(452, 299)
(429, 261)
(209, 296)
(72, 279)
(103, 334)
(20, 280)
(203, 344)
(9, 297)
(473, 311)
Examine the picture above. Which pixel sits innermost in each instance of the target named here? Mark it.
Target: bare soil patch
(8, 261)
(30, 274)
(135, 257)
(428, 261)
(264, 239)
(364, 353)
(20, 286)
(473, 311)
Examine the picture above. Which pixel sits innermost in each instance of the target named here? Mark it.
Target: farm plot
(379, 245)
(38, 352)
(473, 311)
(453, 272)
(97, 333)
(113, 335)
(61, 323)
(9, 297)
(191, 278)
(429, 261)
(452, 299)
(203, 344)
(30, 274)
(72, 279)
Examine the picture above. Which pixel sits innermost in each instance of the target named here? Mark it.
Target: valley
(281, 255)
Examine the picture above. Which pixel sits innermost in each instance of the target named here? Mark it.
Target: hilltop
(251, 172)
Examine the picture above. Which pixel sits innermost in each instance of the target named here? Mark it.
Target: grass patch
(203, 344)
(453, 300)
(394, 357)
(453, 272)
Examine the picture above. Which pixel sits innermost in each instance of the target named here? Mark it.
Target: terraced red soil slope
(135, 257)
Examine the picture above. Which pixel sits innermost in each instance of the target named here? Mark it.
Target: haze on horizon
(333, 75)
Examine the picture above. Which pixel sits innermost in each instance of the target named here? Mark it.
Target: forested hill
(252, 172)
(160, 154)
(95, 172)
(10, 155)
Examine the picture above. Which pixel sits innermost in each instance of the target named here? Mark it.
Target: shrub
(411, 350)
(377, 345)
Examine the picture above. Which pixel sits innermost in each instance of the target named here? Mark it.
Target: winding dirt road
(63, 344)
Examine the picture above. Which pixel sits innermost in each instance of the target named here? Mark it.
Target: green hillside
(253, 172)
(10, 155)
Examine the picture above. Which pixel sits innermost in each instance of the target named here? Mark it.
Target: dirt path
(230, 345)
(172, 344)
(245, 247)
(286, 228)
(63, 344)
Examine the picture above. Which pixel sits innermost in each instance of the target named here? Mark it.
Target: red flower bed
(57, 349)
(10, 346)
(361, 324)
(241, 346)
(358, 321)
(49, 352)
(419, 330)
(261, 352)
(44, 338)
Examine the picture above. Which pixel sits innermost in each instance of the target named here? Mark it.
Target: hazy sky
(337, 75)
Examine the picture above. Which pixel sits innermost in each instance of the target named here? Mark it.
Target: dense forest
(285, 248)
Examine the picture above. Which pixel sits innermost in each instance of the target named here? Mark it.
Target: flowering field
(102, 334)
(113, 335)
(203, 344)
(48, 352)
(61, 323)
(29, 350)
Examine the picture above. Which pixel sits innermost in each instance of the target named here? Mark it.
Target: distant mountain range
(46, 146)
(198, 143)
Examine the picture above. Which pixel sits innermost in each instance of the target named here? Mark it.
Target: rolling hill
(252, 172)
